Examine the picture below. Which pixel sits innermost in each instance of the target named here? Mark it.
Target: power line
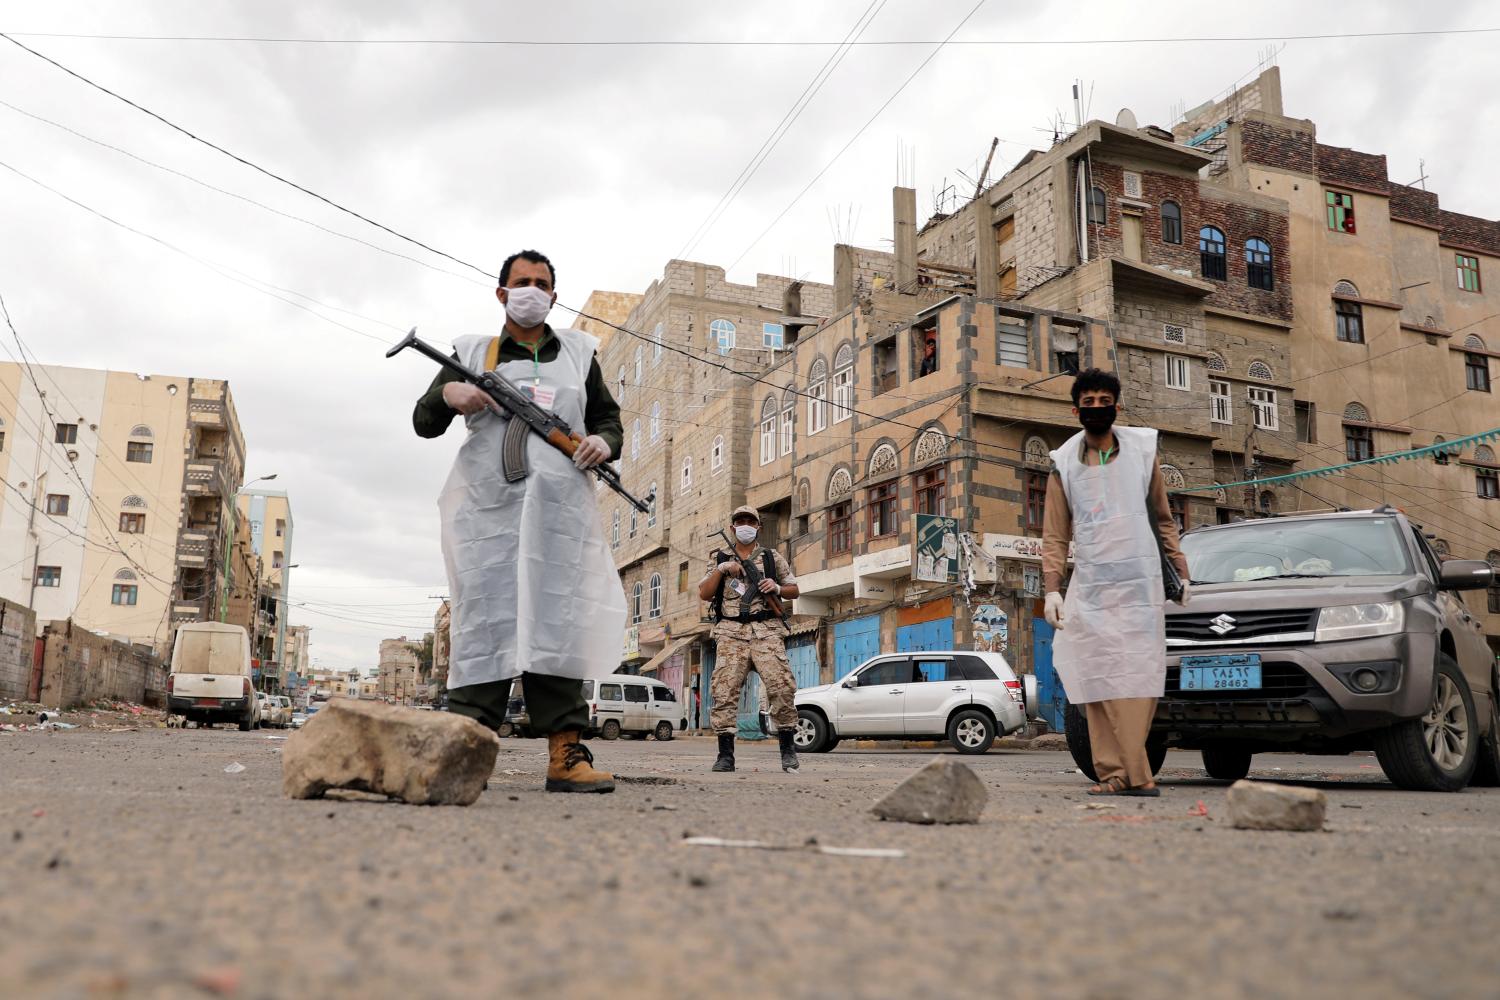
(854, 138)
(745, 43)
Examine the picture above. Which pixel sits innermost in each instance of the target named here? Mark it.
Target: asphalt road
(134, 865)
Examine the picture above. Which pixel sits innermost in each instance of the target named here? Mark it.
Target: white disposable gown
(1114, 640)
(533, 585)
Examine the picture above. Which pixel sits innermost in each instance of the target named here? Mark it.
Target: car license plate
(1238, 672)
(207, 703)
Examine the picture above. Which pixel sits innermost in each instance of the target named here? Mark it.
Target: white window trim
(635, 440)
(1218, 400)
(1264, 405)
(716, 454)
(687, 474)
(653, 597)
(656, 342)
(768, 440)
(817, 400)
(651, 514)
(788, 432)
(640, 365)
(1178, 362)
(655, 422)
(843, 395)
(717, 329)
(768, 331)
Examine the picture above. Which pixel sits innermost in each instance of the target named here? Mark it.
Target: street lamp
(260, 479)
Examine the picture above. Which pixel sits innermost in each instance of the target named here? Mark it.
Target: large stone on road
(1259, 805)
(945, 791)
(425, 758)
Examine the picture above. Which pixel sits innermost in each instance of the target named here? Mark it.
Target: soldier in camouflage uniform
(749, 636)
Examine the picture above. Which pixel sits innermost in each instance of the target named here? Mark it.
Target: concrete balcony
(195, 547)
(191, 611)
(207, 477)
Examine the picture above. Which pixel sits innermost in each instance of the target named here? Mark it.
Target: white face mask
(527, 306)
(746, 533)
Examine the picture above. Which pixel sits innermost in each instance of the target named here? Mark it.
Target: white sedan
(967, 698)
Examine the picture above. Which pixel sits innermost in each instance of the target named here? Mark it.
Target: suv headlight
(1360, 621)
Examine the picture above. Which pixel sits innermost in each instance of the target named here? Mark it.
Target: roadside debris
(1200, 809)
(234, 768)
(1258, 805)
(425, 758)
(812, 847)
(944, 791)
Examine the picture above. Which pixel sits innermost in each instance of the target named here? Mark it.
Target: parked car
(281, 711)
(624, 703)
(967, 698)
(1328, 633)
(210, 677)
(299, 719)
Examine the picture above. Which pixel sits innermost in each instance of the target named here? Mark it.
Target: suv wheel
(1076, 729)
(1226, 763)
(611, 730)
(1487, 772)
(811, 734)
(1437, 752)
(971, 731)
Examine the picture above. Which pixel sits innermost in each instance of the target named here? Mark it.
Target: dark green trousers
(554, 704)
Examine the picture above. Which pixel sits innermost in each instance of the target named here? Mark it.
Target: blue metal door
(854, 642)
(802, 654)
(705, 685)
(748, 720)
(1049, 688)
(925, 636)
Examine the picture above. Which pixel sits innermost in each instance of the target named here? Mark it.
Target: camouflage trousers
(746, 646)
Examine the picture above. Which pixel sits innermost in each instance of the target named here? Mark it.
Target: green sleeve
(432, 416)
(602, 415)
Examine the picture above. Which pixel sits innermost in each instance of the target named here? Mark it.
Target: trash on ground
(234, 768)
(1199, 810)
(275, 737)
(814, 848)
(1099, 805)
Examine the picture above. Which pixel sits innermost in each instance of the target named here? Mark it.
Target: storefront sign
(1016, 547)
(991, 629)
(632, 646)
(936, 557)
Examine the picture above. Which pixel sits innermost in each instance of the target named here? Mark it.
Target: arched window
(1484, 454)
(635, 603)
(788, 421)
(716, 454)
(655, 593)
(932, 444)
(125, 574)
(656, 342)
(1346, 287)
(1036, 454)
(614, 532)
(687, 473)
(817, 392)
(1440, 546)
(882, 460)
(768, 431)
(635, 439)
(1359, 438)
(1211, 254)
(1260, 370)
(140, 431)
(133, 501)
(1258, 264)
(1357, 411)
(721, 335)
(840, 485)
(1172, 476)
(1493, 558)
(656, 421)
(651, 514)
(1473, 342)
(635, 521)
(1349, 320)
(640, 366)
(1215, 362)
(1098, 206)
(1171, 222)
(843, 384)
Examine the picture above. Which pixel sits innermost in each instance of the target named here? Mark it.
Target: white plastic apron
(1113, 643)
(533, 585)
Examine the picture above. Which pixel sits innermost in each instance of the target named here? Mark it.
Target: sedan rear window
(1272, 549)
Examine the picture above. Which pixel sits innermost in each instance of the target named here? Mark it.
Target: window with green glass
(1340, 211)
(1468, 272)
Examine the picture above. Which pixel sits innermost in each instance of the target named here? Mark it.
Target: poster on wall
(936, 558)
(991, 629)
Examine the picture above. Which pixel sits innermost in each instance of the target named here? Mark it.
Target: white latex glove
(1186, 589)
(1054, 610)
(590, 452)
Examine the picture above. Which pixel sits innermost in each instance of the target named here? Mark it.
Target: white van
(624, 703)
(210, 678)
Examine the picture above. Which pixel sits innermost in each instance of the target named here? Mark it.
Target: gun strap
(492, 355)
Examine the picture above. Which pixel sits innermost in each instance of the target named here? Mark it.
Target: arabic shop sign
(936, 556)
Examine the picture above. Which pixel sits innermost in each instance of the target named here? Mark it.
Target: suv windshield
(1261, 550)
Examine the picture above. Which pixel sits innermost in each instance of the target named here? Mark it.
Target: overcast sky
(606, 158)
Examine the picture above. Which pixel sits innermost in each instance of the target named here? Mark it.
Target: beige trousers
(1117, 735)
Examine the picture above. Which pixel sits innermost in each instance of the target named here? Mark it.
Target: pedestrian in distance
(535, 592)
(742, 587)
(1107, 496)
(929, 357)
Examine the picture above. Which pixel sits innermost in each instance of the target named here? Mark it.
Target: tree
(423, 650)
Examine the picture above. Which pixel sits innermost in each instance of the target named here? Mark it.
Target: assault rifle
(753, 576)
(526, 418)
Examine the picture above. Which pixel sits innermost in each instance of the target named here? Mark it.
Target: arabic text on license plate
(1221, 673)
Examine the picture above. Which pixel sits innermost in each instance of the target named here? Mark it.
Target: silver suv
(1328, 633)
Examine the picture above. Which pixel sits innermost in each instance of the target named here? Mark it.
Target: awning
(653, 664)
(803, 624)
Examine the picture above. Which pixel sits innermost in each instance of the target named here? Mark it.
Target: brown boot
(571, 766)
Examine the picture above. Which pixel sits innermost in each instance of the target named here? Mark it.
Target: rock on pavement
(1259, 805)
(425, 758)
(945, 791)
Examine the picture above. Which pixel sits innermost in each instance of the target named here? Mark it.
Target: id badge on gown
(542, 395)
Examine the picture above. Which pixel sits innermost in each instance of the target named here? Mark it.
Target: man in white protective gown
(1106, 496)
(534, 589)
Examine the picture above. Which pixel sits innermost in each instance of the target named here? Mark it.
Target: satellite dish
(1126, 119)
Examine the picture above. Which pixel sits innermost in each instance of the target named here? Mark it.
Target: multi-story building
(398, 670)
(298, 641)
(269, 514)
(442, 644)
(118, 506)
(689, 427)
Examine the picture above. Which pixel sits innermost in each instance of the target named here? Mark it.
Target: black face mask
(1096, 419)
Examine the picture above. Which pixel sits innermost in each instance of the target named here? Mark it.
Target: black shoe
(788, 751)
(726, 753)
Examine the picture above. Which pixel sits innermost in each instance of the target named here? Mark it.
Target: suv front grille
(1278, 680)
(1209, 628)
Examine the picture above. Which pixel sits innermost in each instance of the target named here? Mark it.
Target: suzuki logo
(1223, 624)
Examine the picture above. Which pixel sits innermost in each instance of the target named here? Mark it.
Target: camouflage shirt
(735, 586)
